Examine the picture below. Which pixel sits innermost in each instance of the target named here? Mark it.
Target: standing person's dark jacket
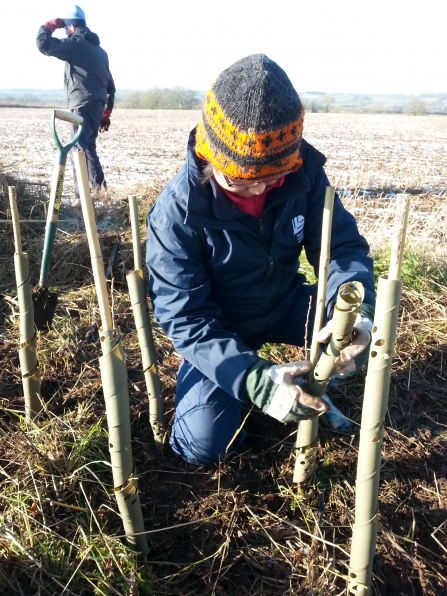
(220, 279)
(87, 79)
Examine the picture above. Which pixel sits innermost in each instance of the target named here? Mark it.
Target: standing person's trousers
(87, 144)
(206, 420)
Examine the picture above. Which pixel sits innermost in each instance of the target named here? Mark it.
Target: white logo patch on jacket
(298, 227)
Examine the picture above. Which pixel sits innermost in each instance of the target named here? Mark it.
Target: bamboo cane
(138, 299)
(307, 436)
(29, 364)
(114, 380)
(375, 404)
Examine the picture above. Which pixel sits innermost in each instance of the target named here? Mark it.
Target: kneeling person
(223, 242)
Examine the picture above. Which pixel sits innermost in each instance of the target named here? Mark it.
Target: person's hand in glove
(54, 24)
(105, 120)
(355, 354)
(276, 390)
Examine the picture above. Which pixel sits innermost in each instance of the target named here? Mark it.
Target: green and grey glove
(275, 389)
(356, 353)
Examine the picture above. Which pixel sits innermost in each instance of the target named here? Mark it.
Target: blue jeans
(87, 143)
(207, 419)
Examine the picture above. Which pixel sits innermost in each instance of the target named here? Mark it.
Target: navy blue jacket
(218, 276)
(87, 79)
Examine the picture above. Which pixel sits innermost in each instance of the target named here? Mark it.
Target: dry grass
(240, 528)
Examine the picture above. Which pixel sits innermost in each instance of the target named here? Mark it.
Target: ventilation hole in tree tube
(110, 445)
(376, 439)
(127, 497)
(374, 329)
(387, 355)
(102, 338)
(379, 342)
(373, 354)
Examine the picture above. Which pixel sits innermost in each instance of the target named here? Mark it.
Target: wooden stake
(400, 230)
(93, 241)
(307, 436)
(325, 255)
(136, 239)
(15, 218)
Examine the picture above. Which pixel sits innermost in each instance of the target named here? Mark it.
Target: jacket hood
(85, 33)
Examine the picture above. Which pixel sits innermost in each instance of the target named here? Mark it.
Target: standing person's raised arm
(52, 46)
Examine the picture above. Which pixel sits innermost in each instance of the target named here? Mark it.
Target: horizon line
(142, 89)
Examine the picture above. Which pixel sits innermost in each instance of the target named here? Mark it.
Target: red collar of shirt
(252, 205)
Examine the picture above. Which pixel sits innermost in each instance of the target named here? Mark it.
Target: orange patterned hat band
(252, 121)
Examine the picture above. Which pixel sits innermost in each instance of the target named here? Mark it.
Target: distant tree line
(177, 98)
(315, 101)
(182, 98)
(31, 99)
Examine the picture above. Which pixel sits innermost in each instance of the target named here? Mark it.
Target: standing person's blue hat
(75, 16)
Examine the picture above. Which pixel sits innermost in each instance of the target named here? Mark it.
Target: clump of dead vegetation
(242, 527)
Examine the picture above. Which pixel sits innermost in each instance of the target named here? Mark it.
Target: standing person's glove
(105, 120)
(54, 24)
(355, 355)
(275, 390)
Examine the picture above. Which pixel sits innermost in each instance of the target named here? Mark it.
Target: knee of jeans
(204, 450)
(193, 455)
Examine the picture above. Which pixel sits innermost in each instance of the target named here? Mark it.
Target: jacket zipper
(271, 264)
(262, 234)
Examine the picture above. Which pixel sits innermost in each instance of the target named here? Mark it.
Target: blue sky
(335, 46)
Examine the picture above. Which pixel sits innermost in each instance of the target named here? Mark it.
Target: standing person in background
(223, 243)
(88, 83)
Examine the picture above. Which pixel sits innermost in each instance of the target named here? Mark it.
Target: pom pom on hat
(74, 15)
(252, 121)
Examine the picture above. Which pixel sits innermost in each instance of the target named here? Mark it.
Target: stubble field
(144, 146)
(249, 530)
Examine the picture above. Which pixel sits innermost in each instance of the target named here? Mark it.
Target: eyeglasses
(242, 183)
